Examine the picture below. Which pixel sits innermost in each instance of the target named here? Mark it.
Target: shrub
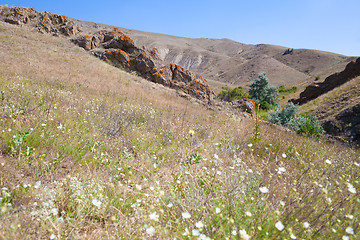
(228, 94)
(263, 94)
(283, 90)
(303, 124)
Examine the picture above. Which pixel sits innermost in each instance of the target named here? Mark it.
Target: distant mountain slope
(232, 62)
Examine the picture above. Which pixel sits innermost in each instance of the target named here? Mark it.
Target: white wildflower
(328, 161)
(218, 172)
(217, 210)
(216, 156)
(349, 230)
(43, 124)
(279, 226)
(54, 211)
(234, 232)
(170, 204)
(264, 189)
(138, 187)
(250, 145)
(248, 214)
(349, 216)
(154, 216)
(60, 126)
(199, 224)
(204, 237)
(351, 188)
(97, 203)
(292, 236)
(244, 235)
(186, 215)
(150, 230)
(281, 170)
(195, 232)
(282, 203)
(37, 184)
(306, 225)
(345, 237)
(283, 155)
(52, 236)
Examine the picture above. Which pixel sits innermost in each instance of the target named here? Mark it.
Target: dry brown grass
(101, 133)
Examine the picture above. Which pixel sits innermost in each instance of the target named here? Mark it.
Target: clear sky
(328, 25)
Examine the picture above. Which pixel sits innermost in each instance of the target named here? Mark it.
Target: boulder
(117, 57)
(44, 22)
(245, 105)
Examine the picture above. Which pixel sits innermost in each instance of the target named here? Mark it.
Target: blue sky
(328, 25)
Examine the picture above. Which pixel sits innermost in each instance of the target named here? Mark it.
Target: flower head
(199, 224)
(279, 226)
(244, 235)
(186, 215)
(97, 203)
(351, 188)
(349, 230)
(154, 216)
(191, 132)
(264, 190)
(217, 210)
(150, 230)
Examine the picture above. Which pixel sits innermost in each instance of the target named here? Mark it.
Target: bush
(228, 94)
(303, 124)
(283, 90)
(263, 94)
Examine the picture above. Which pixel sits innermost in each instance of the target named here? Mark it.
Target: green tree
(263, 94)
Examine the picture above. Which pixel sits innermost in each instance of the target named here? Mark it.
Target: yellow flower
(191, 132)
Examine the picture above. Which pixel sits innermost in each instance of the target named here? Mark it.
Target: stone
(44, 22)
(245, 105)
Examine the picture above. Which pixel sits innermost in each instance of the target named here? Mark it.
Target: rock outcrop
(44, 22)
(116, 48)
(245, 105)
(119, 49)
(313, 91)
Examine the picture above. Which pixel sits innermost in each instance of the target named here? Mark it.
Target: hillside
(234, 63)
(91, 151)
(338, 111)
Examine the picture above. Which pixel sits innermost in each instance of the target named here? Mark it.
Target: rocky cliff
(119, 49)
(314, 90)
(116, 48)
(44, 22)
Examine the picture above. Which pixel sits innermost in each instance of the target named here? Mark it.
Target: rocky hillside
(336, 102)
(234, 63)
(116, 48)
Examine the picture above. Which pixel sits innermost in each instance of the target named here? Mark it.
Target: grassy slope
(91, 152)
(329, 105)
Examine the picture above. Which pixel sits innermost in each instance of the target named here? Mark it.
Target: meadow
(88, 151)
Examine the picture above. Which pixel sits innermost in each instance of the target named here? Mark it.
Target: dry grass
(91, 152)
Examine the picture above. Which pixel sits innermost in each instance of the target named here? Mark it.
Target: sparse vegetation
(284, 91)
(118, 158)
(228, 94)
(288, 116)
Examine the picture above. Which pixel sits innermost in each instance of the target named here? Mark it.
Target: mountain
(234, 63)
